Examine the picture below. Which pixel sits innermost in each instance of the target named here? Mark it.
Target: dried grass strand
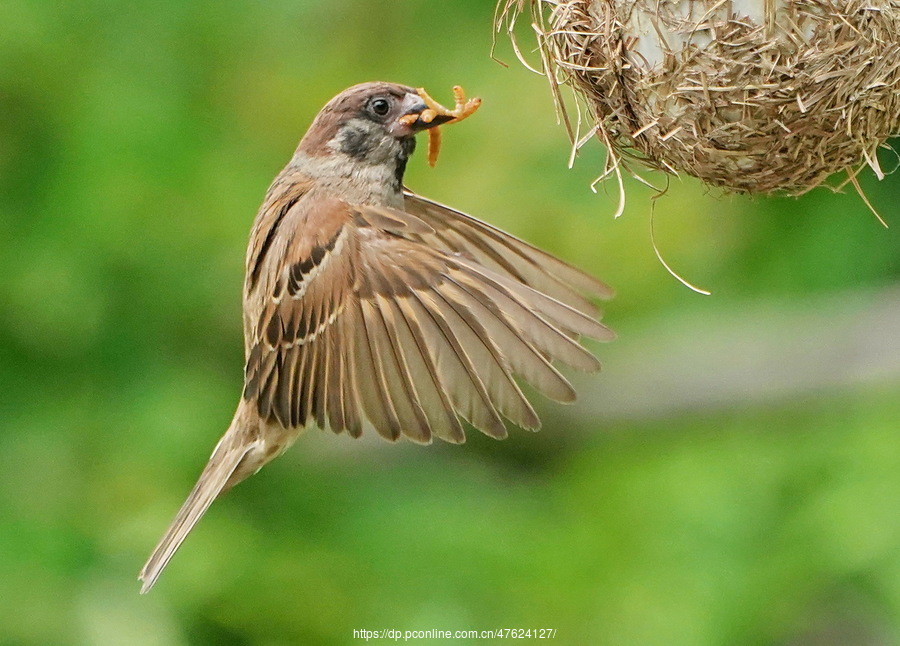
(754, 107)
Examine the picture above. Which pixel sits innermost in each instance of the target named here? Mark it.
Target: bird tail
(215, 478)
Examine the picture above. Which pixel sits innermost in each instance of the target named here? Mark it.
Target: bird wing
(458, 232)
(412, 321)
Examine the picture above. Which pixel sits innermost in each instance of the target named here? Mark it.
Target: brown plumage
(365, 303)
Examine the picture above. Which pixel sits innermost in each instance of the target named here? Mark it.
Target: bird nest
(755, 96)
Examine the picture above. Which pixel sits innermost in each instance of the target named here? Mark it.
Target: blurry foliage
(136, 141)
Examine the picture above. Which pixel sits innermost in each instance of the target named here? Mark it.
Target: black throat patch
(407, 146)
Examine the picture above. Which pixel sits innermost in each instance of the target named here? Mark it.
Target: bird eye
(379, 106)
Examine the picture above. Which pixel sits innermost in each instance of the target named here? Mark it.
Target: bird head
(376, 123)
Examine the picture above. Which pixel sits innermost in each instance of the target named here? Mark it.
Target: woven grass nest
(755, 96)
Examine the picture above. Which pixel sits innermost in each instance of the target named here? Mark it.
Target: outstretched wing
(412, 323)
(458, 232)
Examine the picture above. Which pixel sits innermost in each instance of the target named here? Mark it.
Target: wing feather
(529, 324)
(562, 315)
(397, 391)
(435, 402)
(320, 380)
(508, 255)
(350, 398)
(466, 387)
(520, 353)
(411, 320)
(372, 383)
(493, 364)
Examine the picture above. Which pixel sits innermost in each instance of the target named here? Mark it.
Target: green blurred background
(732, 477)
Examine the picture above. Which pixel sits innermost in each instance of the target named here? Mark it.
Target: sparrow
(367, 305)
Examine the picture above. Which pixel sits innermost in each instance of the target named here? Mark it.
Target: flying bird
(366, 304)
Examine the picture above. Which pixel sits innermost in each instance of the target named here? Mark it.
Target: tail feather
(216, 476)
